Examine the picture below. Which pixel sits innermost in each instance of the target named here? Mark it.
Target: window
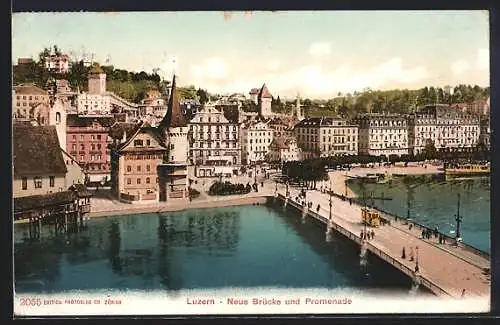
(172, 146)
(92, 137)
(81, 137)
(148, 180)
(138, 181)
(139, 168)
(148, 168)
(138, 143)
(99, 146)
(73, 146)
(98, 137)
(58, 118)
(74, 138)
(129, 181)
(129, 168)
(82, 157)
(52, 181)
(25, 183)
(37, 180)
(93, 147)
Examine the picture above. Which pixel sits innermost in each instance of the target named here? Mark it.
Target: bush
(227, 188)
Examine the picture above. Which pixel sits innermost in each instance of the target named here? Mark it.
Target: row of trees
(309, 171)
(394, 101)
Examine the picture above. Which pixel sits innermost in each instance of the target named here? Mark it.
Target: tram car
(370, 217)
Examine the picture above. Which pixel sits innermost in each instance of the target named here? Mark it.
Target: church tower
(298, 109)
(173, 129)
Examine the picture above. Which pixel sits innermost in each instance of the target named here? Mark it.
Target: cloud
(318, 82)
(483, 59)
(273, 65)
(210, 69)
(459, 67)
(319, 49)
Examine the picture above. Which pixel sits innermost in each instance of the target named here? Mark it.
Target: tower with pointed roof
(174, 130)
(264, 101)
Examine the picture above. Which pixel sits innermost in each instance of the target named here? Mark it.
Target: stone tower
(264, 101)
(174, 131)
(97, 80)
(57, 117)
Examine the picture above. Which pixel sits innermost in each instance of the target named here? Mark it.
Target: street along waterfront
(433, 203)
(235, 247)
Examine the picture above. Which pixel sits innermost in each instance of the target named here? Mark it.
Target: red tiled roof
(264, 92)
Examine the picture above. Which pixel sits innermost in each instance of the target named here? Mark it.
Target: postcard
(222, 163)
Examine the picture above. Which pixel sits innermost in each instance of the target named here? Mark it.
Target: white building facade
(284, 149)
(256, 137)
(381, 134)
(214, 144)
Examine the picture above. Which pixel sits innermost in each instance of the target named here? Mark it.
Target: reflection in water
(434, 203)
(248, 246)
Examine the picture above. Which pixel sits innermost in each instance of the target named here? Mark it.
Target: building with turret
(173, 171)
(151, 163)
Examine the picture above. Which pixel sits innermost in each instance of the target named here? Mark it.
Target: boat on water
(467, 170)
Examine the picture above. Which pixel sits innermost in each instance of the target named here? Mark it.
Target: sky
(316, 54)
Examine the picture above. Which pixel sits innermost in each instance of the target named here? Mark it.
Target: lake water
(246, 246)
(434, 203)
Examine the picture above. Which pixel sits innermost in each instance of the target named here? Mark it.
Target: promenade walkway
(447, 271)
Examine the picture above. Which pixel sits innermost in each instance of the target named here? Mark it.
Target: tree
(429, 151)
(202, 95)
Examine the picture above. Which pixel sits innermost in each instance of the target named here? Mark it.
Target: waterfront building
(307, 134)
(326, 136)
(448, 128)
(283, 149)
(263, 98)
(214, 143)
(134, 172)
(337, 137)
(58, 63)
(87, 142)
(24, 97)
(256, 137)
(173, 172)
(39, 167)
(383, 135)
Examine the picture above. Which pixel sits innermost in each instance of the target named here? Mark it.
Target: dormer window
(138, 143)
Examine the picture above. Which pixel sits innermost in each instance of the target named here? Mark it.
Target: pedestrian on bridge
(403, 255)
(372, 234)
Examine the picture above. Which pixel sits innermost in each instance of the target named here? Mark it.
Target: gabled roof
(37, 151)
(174, 117)
(83, 121)
(154, 132)
(254, 91)
(29, 90)
(282, 142)
(264, 92)
(28, 203)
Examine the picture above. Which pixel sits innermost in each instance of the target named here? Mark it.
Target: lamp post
(416, 263)
(330, 203)
(458, 220)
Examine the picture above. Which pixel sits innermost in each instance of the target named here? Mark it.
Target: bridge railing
(391, 260)
(448, 238)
